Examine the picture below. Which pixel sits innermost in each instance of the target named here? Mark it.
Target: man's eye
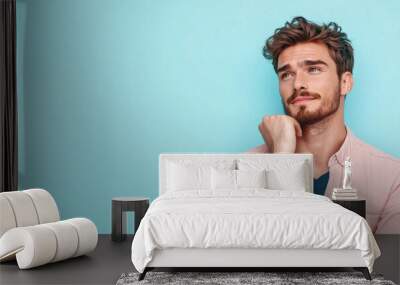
(314, 69)
(285, 75)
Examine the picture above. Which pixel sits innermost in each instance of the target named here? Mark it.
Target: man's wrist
(280, 149)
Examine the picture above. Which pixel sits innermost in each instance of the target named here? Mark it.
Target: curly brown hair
(300, 30)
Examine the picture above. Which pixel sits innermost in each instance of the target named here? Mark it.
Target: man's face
(308, 82)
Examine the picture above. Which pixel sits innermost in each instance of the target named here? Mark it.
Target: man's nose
(300, 81)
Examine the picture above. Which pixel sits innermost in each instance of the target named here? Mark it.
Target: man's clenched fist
(279, 133)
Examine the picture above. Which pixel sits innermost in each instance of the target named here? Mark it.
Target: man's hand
(279, 133)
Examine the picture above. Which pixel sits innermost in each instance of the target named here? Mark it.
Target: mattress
(250, 219)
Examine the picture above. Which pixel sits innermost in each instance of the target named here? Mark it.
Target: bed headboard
(273, 157)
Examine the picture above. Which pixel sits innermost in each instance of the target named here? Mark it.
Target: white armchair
(31, 230)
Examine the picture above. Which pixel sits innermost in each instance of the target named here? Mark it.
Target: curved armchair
(32, 233)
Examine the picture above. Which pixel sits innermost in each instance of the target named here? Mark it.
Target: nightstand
(120, 206)
(357, 206)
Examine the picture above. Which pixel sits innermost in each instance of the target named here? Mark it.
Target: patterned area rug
(225, 278)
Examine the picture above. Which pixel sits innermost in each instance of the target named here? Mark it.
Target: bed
(245, 211)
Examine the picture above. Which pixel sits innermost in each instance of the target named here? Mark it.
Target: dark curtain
(8, 98)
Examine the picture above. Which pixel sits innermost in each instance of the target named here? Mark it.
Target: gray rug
(225, 278)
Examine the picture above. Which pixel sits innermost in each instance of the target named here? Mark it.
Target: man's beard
(305, 117)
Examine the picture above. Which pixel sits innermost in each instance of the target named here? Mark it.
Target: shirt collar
(344, 150)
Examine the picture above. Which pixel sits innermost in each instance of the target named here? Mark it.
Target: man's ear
(346, 83)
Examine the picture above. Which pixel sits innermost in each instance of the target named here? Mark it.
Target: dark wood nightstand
(357, 206)
(120, 206)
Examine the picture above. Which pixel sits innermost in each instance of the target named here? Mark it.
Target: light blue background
(104, 86)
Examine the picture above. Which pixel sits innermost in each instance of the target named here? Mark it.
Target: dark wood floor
(103, 266)
(111, 259)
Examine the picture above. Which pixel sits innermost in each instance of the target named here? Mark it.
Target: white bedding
(250, 218)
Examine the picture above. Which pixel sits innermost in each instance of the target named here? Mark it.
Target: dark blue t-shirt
(320, 184)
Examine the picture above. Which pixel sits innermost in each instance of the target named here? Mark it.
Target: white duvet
(250, 218)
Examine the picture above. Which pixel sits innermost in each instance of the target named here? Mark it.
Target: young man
(314, 64)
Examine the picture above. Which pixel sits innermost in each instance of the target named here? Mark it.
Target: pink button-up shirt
(375, 175)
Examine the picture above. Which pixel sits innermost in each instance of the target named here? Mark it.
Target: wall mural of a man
(314, 64)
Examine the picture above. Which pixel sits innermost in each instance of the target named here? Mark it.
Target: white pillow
(188, 177)
(282, 174)
(251, 178)
(237, 179)
(223, 179)
(292, 178)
